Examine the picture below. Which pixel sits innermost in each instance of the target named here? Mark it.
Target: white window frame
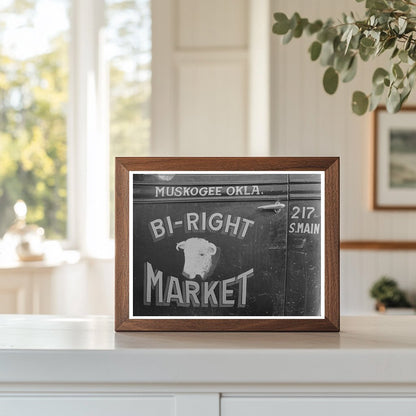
(88, 138)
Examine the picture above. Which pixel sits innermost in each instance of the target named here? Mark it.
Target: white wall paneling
(212, 102)
(209, 98)
(163, 128)
(259, 81)
(308, 122)
(212, 24)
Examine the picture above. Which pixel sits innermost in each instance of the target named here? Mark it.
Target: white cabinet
(52, 365)
(88, 406)
(270, 406)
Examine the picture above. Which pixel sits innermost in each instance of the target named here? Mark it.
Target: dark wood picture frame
(376, 205)
(328, 165)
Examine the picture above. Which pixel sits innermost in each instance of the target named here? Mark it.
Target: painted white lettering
(157, 229)
(160, 191)
(151, 281)
(247, 223)
(191, 221)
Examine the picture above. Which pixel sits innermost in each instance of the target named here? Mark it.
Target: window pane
(33, 100)
(129, 46)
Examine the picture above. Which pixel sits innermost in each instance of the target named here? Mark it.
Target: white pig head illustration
(198, 254)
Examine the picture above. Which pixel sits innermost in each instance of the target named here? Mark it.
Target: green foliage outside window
(33, 99)
(129, 40)
(34, 103)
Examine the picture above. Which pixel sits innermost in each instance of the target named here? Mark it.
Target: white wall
(308, 122)
(211, 95)
(202, 80)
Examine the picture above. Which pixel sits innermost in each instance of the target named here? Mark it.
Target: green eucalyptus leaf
(404, 96)
(315, 50)
(294, 20)
(359, 103)
(379, 50)
(408, 42)
(400, 5)
(389, 43)
(301, 25)
(411, 78)
(378, 89)
(327, 54)
(366, 53)
(397, 71)
(322, 36)
(288, 37)
(412, 70)
(374, 102)
(314, 27)
(379, 75)
(376, 4)
(332, 33)
(341, 62)
(412, 52)
(351, 71)
(402, 22)
(394, 26)
(355, 41)
(351, 18)
(393, 101)
(403, 56)
(338, 44)
(353, 30)
(282, 26)
(367, 42)
(330, 80)
(395, 52)
(382, 19)
(399, 85)
(346, 34)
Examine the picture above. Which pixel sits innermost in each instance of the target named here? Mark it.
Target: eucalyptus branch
(388, 25)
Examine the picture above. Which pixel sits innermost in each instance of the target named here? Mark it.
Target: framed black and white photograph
(394, 159)
(247, 248)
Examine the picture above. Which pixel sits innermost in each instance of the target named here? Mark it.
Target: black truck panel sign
(226, 245)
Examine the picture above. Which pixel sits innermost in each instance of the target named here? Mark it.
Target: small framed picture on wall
(227, 244)
(394, 150)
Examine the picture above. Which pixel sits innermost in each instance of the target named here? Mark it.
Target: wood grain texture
(121, 244)
(376, 205)
(378, 245)
(330, 165)
(332, 218)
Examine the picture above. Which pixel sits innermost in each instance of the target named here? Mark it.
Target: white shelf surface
(53, 349)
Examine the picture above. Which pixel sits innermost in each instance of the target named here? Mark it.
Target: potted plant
(389, 27)
(387, 294)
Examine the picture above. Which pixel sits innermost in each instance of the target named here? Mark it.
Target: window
(33, 98)
(75, 87)
(129, 46)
